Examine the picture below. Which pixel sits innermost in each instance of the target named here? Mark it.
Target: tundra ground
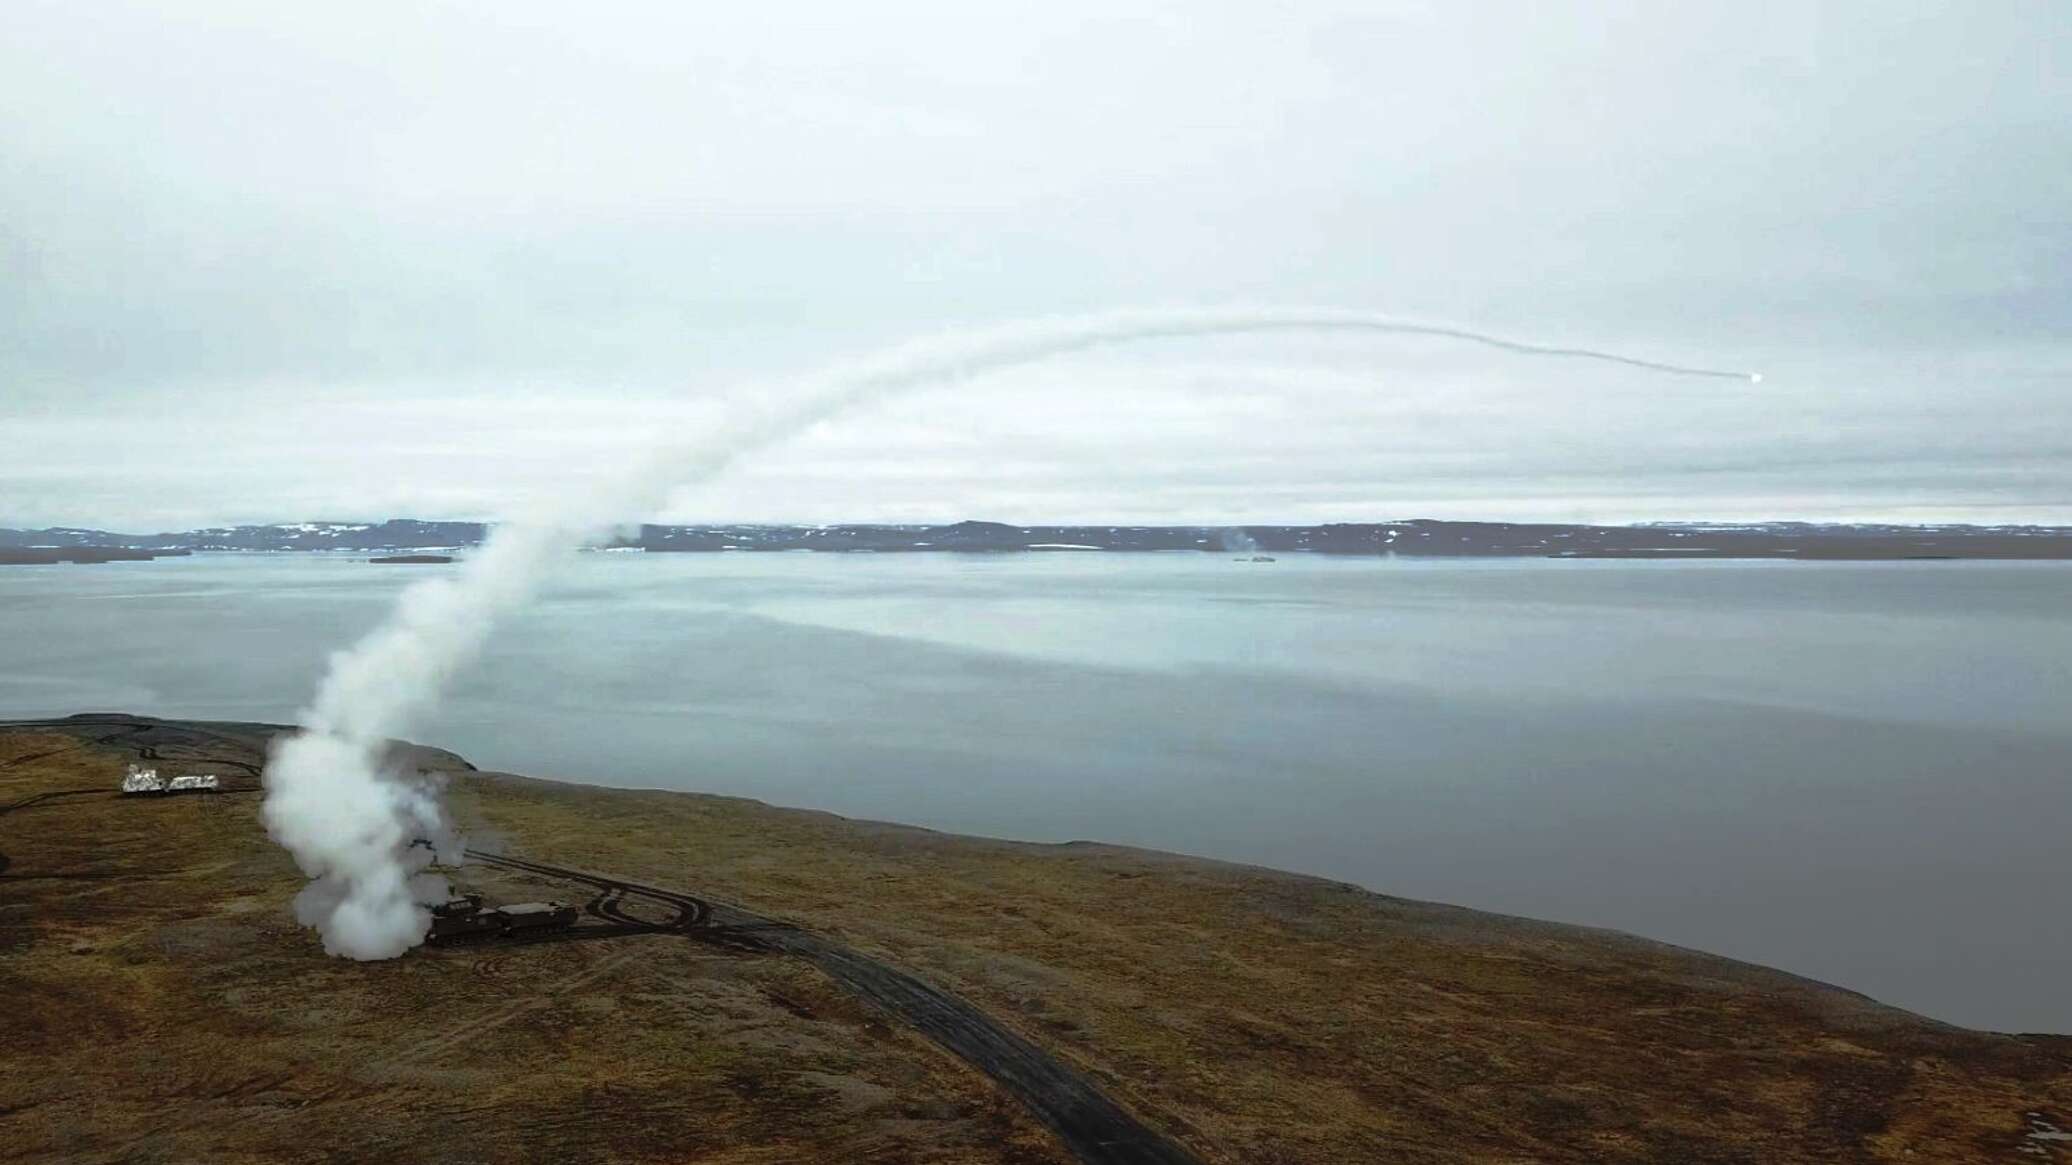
(865, 992)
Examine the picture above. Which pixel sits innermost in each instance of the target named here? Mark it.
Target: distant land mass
(1416, 538)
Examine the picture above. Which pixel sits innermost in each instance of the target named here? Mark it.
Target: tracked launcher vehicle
(463, 919)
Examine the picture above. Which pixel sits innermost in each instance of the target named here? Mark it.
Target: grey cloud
(286, 236)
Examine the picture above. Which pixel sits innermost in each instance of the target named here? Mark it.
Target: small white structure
(143, 780)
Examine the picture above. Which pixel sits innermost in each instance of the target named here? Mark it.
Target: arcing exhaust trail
(349, 815)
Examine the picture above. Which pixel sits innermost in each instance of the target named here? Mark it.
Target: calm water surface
(1857, 772)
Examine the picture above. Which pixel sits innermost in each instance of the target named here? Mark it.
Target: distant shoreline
(1422, 538)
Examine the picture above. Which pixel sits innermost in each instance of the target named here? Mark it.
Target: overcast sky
(267, 262)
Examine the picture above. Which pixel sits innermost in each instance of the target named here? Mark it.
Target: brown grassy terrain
(162, 1005)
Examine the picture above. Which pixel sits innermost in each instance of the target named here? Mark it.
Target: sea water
(1853, 771)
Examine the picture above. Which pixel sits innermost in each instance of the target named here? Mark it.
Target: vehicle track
(35, 799)
(1093, 1126)
(437, 1045)
(1096, 1129)
(607, 905)
(145, 737)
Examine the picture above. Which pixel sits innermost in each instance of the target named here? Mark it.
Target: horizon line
(1104, 525)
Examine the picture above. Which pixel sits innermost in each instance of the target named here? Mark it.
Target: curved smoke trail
(350, 816)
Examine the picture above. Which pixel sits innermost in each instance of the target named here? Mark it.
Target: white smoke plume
(1238, 540)
(350, 817)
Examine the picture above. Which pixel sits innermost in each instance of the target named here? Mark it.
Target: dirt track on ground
(1092, 1126)
(1095, 1128)
(898, 996)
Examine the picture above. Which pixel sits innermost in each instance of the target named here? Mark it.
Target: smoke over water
(350, 815)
